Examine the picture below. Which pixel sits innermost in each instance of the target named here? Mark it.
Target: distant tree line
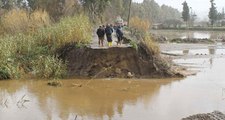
(155, 13)
(98, 10)
(105, 10)
(214, 15)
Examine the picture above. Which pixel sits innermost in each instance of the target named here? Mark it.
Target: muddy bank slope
(115, 62)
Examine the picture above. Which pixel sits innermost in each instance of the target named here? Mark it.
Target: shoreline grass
(33, 51)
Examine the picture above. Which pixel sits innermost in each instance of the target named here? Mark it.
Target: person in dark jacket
(101, 35)
(109, 31)
(119, 34)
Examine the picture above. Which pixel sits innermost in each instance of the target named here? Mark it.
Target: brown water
(153, 99)
(172, 34)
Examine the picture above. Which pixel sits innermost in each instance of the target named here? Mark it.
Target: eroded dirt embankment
(115, 62)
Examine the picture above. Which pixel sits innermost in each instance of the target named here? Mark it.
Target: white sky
(200, 7)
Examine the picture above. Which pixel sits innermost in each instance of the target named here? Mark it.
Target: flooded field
(187, 51)
(199, 52)
(171, 34)
(117, 99)
(120, 99)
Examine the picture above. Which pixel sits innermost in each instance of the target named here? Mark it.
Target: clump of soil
(115, 62)
(54, 83)
(216, 115)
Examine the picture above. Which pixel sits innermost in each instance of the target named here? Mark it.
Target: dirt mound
(216, 115)
(115, 62)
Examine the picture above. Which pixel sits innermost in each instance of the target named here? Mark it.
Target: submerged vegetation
(30, 40)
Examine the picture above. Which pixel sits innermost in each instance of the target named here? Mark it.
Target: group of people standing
(108, 31)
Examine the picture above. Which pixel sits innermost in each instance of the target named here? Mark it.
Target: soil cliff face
(115, 62)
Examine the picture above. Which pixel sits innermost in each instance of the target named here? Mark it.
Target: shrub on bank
(49, 67)
(20, 53)
(151, 44)
(139, 26)
(6, 51)
(39, 19)
(69, 30)
(21, 21)
(4, 74)
(15, 21)
(15, 54)
(140, 29)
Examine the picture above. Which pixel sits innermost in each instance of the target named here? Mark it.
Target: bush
(152, 45)
(75, 29)
(4, 74)
(15, 21)
(13, 70)
(12, 46)
(49, 67)
(134, 44)
(1, 29)
(140, 29)
(21, 21)
(14, 54)
(20, 53)
(39, 19)
(139, 26)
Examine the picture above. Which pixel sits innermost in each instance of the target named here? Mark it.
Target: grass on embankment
(32, 50)
(139, 29)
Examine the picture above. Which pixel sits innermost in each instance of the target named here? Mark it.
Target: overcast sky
(200, 7)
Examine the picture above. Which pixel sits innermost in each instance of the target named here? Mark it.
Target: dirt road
(94, 44)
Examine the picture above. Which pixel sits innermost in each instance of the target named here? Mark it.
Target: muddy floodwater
(119, 99)
(171, 34)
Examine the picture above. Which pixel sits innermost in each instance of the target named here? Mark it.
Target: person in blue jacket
(109, 31)
(119, 34)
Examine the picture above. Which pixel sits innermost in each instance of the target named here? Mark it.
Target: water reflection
(212, 51)
(185, 52)
(9, 105)
(211, 62)
(99, 100)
